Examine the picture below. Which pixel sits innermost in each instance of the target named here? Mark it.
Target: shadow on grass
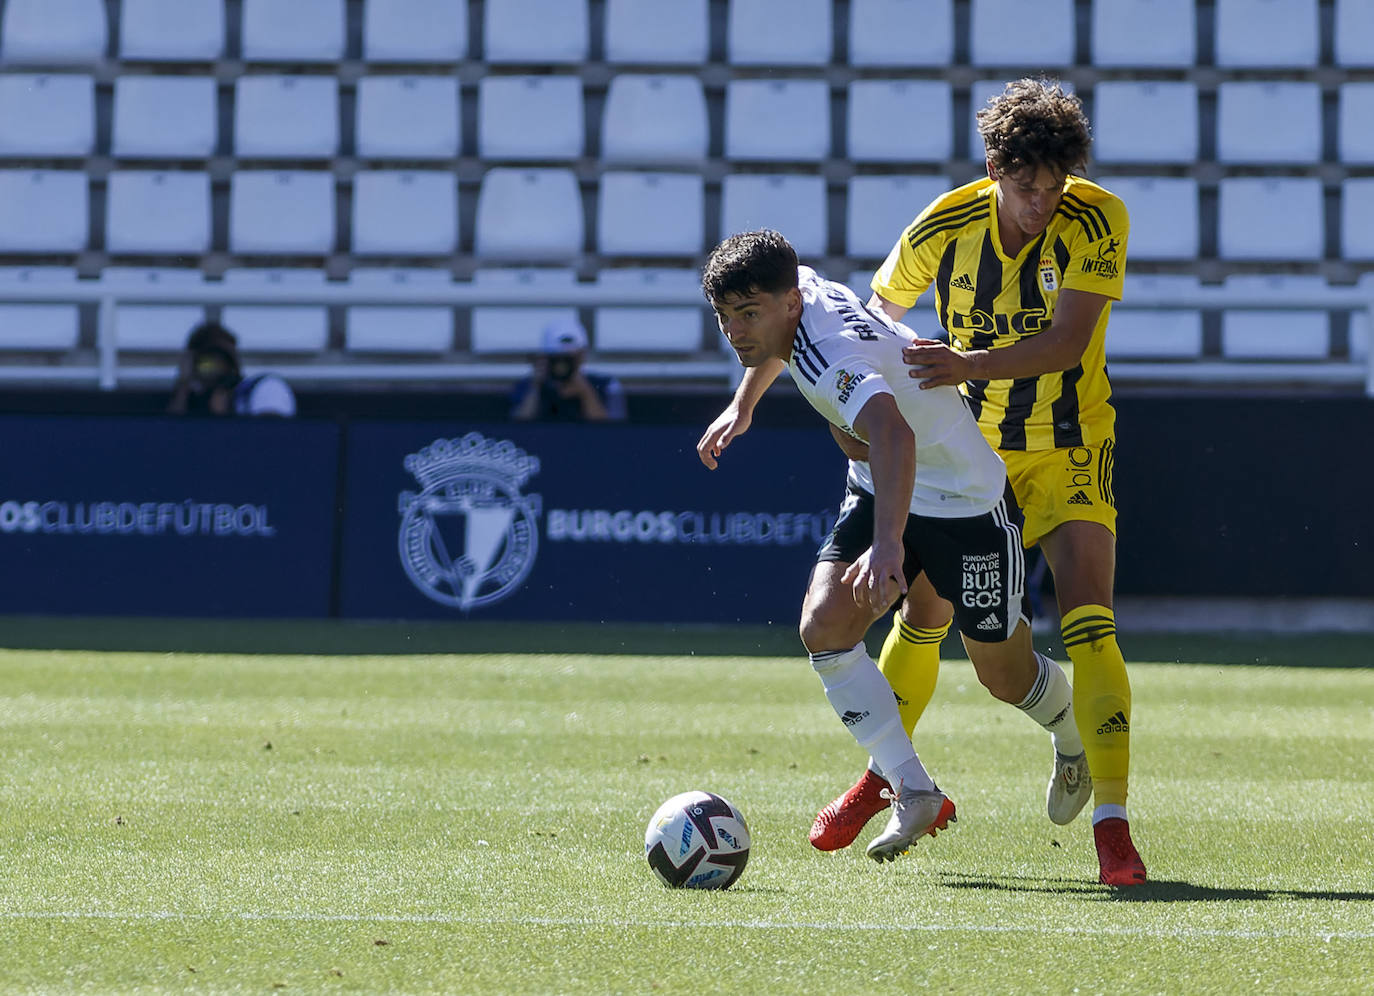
(1158, 891)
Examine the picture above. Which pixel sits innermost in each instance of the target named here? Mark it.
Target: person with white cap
(559, 389)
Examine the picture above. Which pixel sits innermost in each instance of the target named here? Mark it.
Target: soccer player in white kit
(931, 499)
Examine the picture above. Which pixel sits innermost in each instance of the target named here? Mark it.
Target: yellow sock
(1101, 698)
(910, 662)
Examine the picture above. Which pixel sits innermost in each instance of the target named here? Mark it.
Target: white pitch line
(154, 916)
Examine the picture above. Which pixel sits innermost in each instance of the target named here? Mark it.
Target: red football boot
(1116, 855)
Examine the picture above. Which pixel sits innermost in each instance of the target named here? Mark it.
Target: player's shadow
(1154, 891)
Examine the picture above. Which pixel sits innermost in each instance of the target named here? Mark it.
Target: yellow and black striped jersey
(986, 299)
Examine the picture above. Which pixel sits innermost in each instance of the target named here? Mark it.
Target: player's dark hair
(750, 263)
(212, 336)
(1034, 123)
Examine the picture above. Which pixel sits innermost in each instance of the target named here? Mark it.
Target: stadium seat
(778, 120)
(676, 33)
(405, 213)
(536, 31)
(1357, 218)
(1016, 33)
(164, 117)
(38, 327)
(1361, 329)
(281, 212)
(497, 329)
(286, 117)
(277, 328)
(1248, 208)
(1163, 212)
(53, 31)
(299, 31)
(650, 214)
(648, 328)
(158, 328)
(1354, 136)
(879, 121)
(1271, 334)
(654, 119)
(1145, 122)
(171, 30)
(1145, 33)
(43, 211)
(530, 117)
(901, 33)
(760, 33)
(156, 213)
(1269, 122)
(1266, 33)
(1154, 333)
(407, 117)
(415, 30)
(398, 328)
(1354, 33)
(794, 205)
(529, 213)
(879, 207)
(47, 116)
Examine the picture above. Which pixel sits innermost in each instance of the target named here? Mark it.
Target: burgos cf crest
(469, 538)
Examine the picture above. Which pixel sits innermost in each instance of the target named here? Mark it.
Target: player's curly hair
(1035, 122)
(749, 263)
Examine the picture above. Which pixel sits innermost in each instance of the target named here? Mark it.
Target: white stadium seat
(761, 33)
(536, 31)
(530, 117)
(281, 212)
(531, 214)
(43, 211)
(277, 328)
(1354, 33)
(51, 116)
(415, 30)
(1145, 33)
(1016, 33)
(1145, 122)
(1269, 122)
(794, 205)
(405, 213)
(286, 117)
(1163, 212)
(398, 328)
(299, 31)
(53, 31)
(658, 119)
(650, 214)
(1269, 333)
(879, 207)
(1248, 207)
(159, 328)
(1154, 333)
(900, 121)
(1357, 218)
(675, 33)
(157, 213)
(1355, 138)
(164, 117)
(497, 329)
(407, 117)
(779, 120)
(1266, 33)
(171, 30)
(648, 328)
(901, 32)
(53, 327)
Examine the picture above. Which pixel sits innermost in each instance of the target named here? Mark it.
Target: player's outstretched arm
(739, 414)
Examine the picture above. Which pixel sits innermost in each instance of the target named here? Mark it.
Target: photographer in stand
(558, 389)
(210, 380)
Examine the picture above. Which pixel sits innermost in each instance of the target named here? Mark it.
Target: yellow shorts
(1073, 484)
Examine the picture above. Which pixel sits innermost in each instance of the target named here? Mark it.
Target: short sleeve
(1097, 251)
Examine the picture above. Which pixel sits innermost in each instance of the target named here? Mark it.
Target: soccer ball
(697, 840)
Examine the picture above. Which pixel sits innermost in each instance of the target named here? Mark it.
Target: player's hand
(934, 364)
(728, 424)
(876, 578)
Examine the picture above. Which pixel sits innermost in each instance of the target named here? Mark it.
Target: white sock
(1108, 811)
(863, 700)
(1050, 703)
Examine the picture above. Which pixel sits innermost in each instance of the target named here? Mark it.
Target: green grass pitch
(473, 823)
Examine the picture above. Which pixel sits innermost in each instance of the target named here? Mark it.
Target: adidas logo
(1079, 498)
(962, 282)
(1117, 724)
(852, 718)
(991, 622)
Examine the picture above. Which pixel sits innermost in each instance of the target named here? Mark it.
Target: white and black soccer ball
(697, 840)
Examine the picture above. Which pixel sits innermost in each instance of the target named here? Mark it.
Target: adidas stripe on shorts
(976, 563)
